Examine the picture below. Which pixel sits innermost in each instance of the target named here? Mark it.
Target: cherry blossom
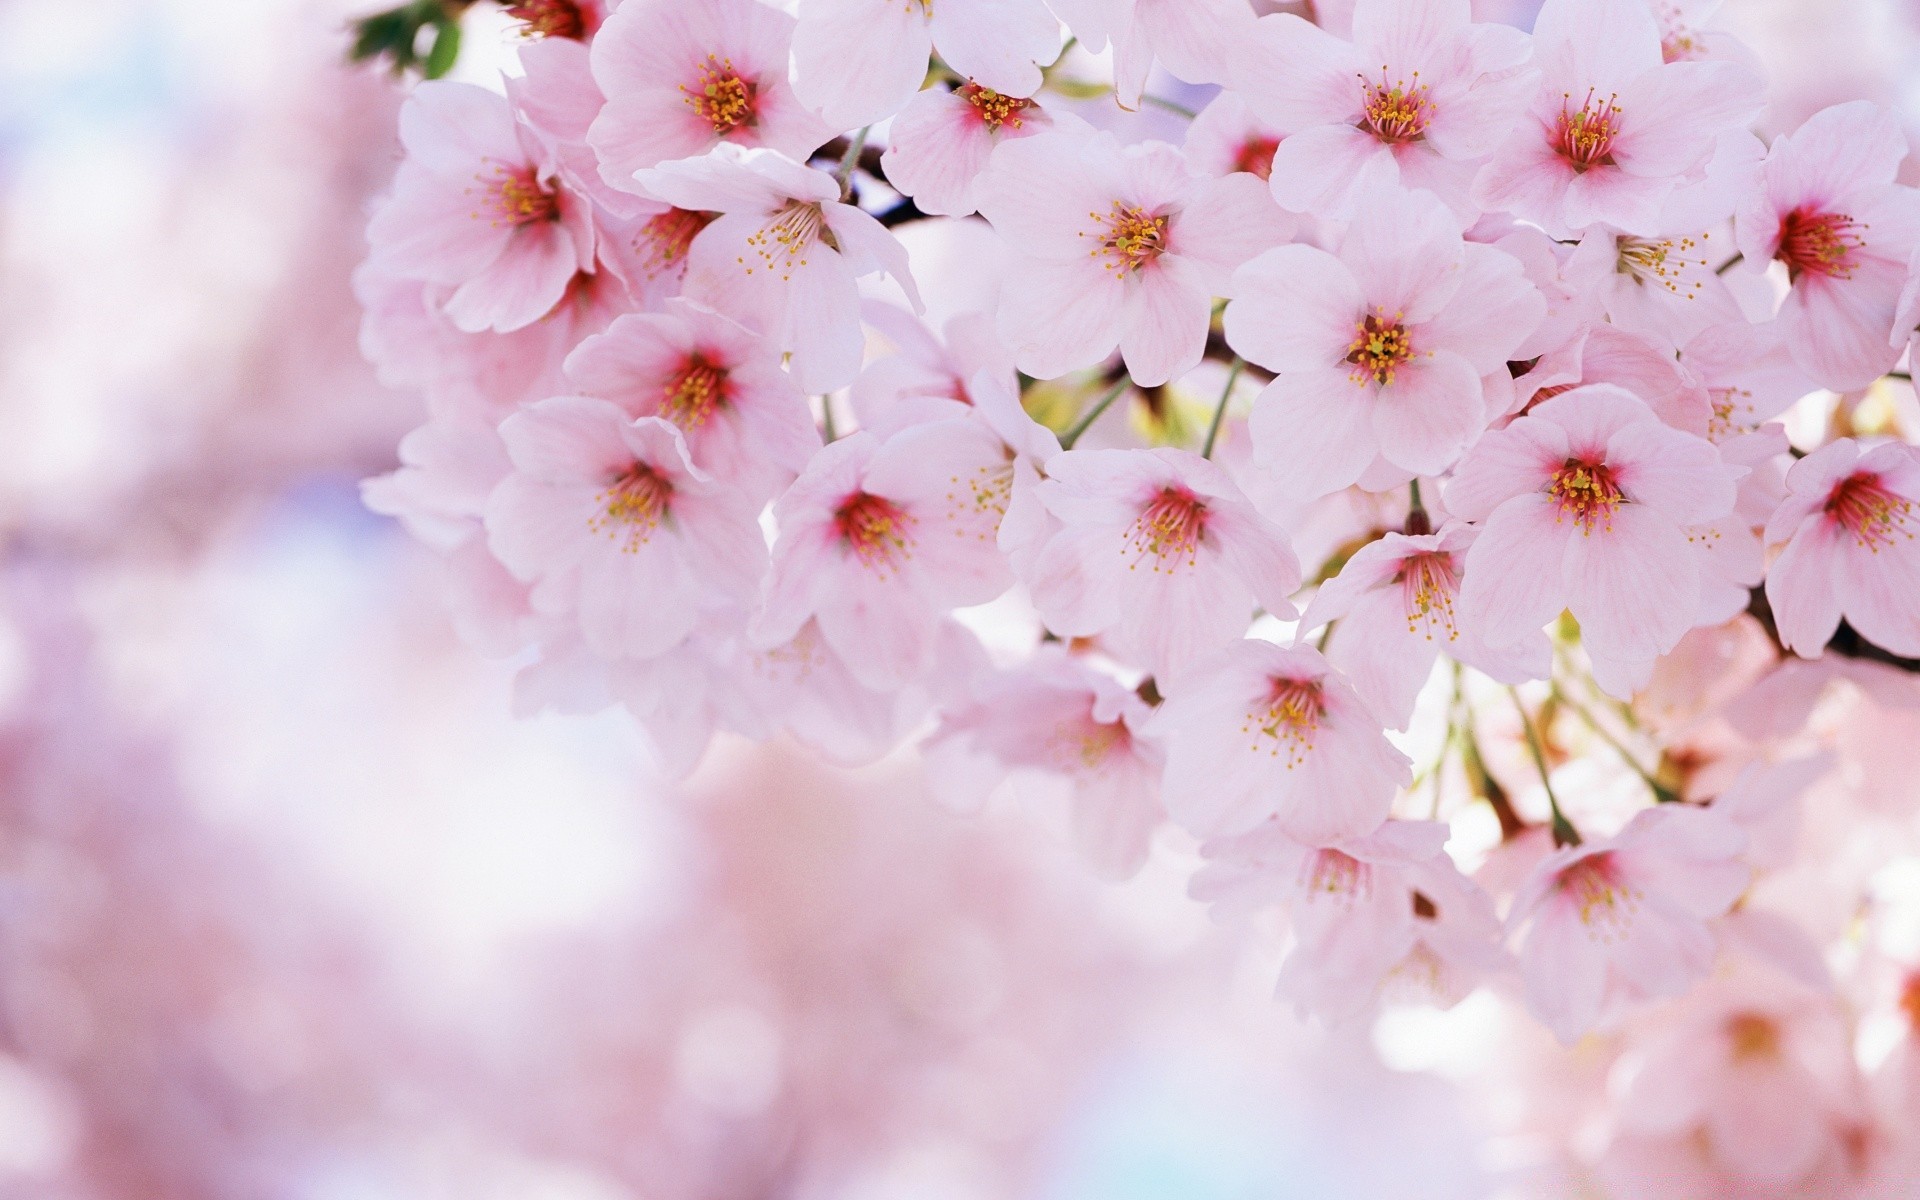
(1157, 554)
(1832, 214)
(1262, 731)
(1848, 524)
(680, 79)
(1119, 246)
(1419, 89)
(1379, 348)
(941, 141)
(1584, 505)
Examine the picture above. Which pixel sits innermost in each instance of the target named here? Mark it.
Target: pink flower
(744, 421)
(1194, 39)
(879, 540)
(576, 20)
(1608, 923)
(1059, 716)
(1661, 289)
(1368, 913)
(1395, 600)
(1261, 731)
(1583, 505)
(477, 208)
(1380, 349)
(928, 378)
(1116, 246)
(683, 78)
(608, 517)
(1420, 90)
(1157, 554)
(941, 141)
(1614, 127)
(1831, 212)
(783, 256)
(858, 61)
(1228, 137)
(1849, 523)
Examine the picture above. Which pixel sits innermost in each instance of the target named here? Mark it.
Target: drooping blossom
(744, 421)
(1848, 524)
(1614, 127)
(1608, 923)
(1227, 136)
(681, 79)
(1583, 505)
(859, 61)
(1664, 290)
(1157, 554)
(1396, 602)
(783, 256)
(878, 541)
(1383, 914)
(927, 377)
(478, 209)
(941, 141)
(1261, 731)
(1063, 718)
(1116, 246)
(1831, 213)
(1380, 348)
(608, 517)
(1420, 90)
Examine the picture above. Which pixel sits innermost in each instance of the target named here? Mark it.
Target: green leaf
(446, 47)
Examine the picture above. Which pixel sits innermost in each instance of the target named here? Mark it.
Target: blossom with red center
(1832, 214)
(1157, 554)
(1420, 94)
(1585, 504)
(1371, 916)
(1059, 716)
(1621, 920)
(942, 140)
(1396, 603)
(680, 79)
(879, 540)
(1228, 137)
(1849, 523)
(576, 20)
(1614, 128)
(784, 255)
(1116, 246)
(1261, 731)
(480, 211)
(1379, 349)
(615, 528)
(745, 422)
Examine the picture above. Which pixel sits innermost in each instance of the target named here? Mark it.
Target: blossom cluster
(1386, 487)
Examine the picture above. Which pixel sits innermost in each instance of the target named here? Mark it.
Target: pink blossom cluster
(875, 375)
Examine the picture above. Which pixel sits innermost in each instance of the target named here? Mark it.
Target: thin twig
(844, 174)
(1085, 423)
(1220, 409)
(1564, 834)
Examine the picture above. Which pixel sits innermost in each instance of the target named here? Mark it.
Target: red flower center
(1171, 526)
(1289, 719)
(721, 97)
(1335, 874)
(1867, 509)
(1819, 242)
(693, 394)
(1379, 346)
(633, 506)
(993, 109)
(1129, 237)
(516, 197)
(1586, 492)
(550, 18)
(1256, 156)
(1603, 899)
(663, 241)
(874, 528)
(1753, 1035)
(1428, 584)
(1396, 112)
(1584, 137)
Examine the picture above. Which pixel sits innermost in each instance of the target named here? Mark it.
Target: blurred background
(292, 907)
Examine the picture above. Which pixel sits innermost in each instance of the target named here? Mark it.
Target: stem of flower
(1085, 423)
(1564, 834)
(844, 174)
(1418, 522)
(1661, 793)
(1730, 264)
(1220, 409)
(1171, 106)
(826, 419)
